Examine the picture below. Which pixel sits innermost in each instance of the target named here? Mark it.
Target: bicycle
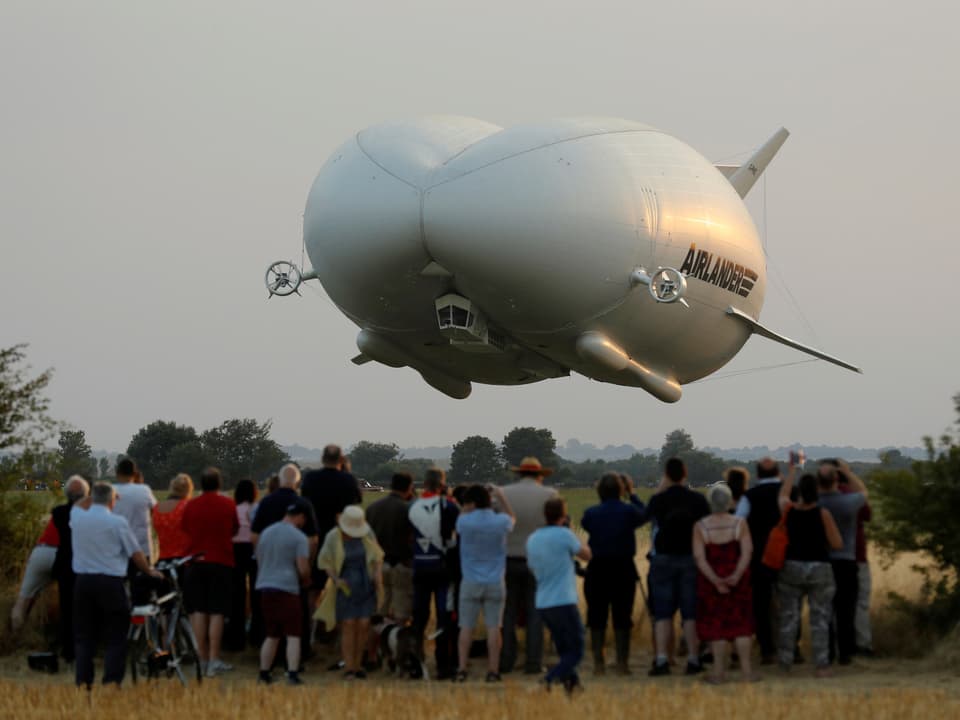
(161, 640)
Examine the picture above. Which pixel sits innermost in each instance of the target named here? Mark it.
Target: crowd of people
(307, 564)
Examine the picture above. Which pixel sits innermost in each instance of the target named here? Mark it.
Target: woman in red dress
(722, 548)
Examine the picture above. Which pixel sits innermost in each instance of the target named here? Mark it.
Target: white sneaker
(217, 666)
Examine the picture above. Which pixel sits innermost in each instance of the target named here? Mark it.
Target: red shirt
(50, 535)
(173, 541)
(210, 521)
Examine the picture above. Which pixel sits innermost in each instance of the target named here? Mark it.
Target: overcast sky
(155, 158)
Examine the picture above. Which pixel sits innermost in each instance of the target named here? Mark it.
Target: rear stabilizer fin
(759, 329)
(743, 177)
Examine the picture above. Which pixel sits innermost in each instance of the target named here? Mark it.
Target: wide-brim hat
(531, 466)
(352, 522)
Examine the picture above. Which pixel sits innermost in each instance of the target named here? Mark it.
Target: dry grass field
(394, 701)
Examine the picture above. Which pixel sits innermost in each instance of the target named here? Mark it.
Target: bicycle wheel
(137, 650)
(185, 651)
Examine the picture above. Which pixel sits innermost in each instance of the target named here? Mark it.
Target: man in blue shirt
(103, 547)
(483, 563)
(551, 551)
(611, 580)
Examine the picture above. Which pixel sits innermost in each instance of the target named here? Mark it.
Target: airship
(506, 256)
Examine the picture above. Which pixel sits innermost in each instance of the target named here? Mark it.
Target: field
(885, 697)
(906, 680)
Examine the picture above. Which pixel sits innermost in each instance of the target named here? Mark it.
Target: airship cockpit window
(461, 317)
(444, 316)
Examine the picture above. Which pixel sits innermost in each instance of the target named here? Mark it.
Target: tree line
(480, 459)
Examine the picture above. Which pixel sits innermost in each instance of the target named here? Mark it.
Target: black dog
(397, 645)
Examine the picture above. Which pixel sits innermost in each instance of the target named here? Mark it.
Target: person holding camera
(611, 578)
(845, 508)
(551, 553)
(811, 536)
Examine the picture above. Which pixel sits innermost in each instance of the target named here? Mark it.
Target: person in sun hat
(352, 559)
(527, 497)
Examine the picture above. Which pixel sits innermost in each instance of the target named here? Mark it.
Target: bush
(917, 510)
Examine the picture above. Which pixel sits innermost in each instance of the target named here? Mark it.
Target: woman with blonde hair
(168, 518)
(352, 559)
(722, 549)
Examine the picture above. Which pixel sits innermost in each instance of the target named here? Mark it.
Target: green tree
(75, 456)
(243, 448)
(475, 459)
(190, 458)
(644, 469)
(522, 442)
(366, 457)
(918, 507)
(415, 466)
(104, 466)
(25, 426)
(675, 444)
(24, 422)
(151, 448)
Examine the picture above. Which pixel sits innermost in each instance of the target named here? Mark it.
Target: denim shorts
(673, 586)
(488, 596)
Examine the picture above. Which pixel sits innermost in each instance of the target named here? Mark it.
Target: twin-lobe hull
(540, 227)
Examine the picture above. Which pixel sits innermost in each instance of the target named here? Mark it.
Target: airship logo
(717, 270)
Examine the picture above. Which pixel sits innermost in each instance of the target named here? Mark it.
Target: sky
(156, 157)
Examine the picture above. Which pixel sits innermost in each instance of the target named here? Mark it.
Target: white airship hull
(534, 231)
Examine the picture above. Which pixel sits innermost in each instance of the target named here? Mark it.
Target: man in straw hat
(526, 497)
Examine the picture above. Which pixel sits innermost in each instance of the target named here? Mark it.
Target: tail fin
(742, 178)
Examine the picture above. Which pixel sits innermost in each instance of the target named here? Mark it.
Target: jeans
(673, 586)
(815, 580)
(435, 586)
(101, 610)
(764, 582)
(844, 609)
(244, 581)
(521, 591)
(566, 628)
(862, 623)
(610, 586)
(65, 636)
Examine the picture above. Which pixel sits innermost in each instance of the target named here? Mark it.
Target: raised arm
(834, 539)
(584, 552)
(854, 481)
(786, 487)
(502, 501)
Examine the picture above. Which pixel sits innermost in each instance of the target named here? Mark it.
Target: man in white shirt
(103, 548)
(135, 501)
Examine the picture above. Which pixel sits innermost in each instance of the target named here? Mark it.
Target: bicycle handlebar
(177, 562)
